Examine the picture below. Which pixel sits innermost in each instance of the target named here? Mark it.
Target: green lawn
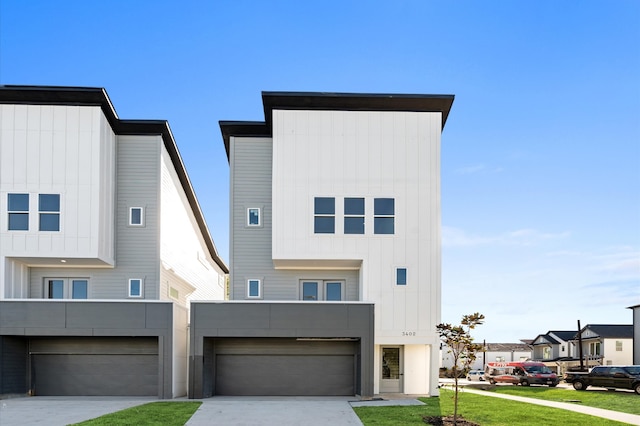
(165, 413)
(626, 402)
(484, 410)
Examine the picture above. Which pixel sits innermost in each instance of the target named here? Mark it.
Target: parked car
(522, 373)
(475, 375)
(607, 376)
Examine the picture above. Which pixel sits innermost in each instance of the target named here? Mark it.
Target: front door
(392, 369)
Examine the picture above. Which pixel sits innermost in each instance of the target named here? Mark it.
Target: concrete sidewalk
(598, 412)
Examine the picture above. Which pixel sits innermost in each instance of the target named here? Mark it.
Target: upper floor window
(618, 345)
(253, 216)
(66, 288)
(383, 215)
(324, 215)
(401, 276)
(136, 216)
(49, 208)
(254, 289)
(354, 215)
(18, 206)
(594, 348)
(135, 287)
(332, 290)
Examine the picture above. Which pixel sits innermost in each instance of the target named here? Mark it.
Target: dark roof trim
(323, 101)
(94, 96)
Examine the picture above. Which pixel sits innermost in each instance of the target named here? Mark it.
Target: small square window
(136, 216)
(253, 216)
(18, 207)
(325, 205)
(135, 287)
(254, 290)
(401, 276)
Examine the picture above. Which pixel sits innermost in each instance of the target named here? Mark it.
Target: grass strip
(484, 410)
(165, 413)
(625, 402)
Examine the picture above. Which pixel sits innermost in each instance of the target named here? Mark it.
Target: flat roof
(97, 96)
(327, 101)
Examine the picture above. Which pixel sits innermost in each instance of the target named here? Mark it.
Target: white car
(475, 375)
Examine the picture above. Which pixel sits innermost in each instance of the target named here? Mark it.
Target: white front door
(391, 364)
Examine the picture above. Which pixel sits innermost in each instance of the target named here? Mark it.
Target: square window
(253, 289)
(324, 225)
(135, 287)
(49, 222)
(383, 225)
(79, 289)
(55, 289)
(253, 216)
(354, 225)
(136, 216)
(401, 276)
(18, 208)
(384, 206)
(333, 290)
(309, 290)
(325, 205)
(354, 206)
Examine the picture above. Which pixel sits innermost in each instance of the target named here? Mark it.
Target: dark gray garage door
(95, 366)
(284, 367)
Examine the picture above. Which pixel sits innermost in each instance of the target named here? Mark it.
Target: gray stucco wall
(87, 318)
(264, 319)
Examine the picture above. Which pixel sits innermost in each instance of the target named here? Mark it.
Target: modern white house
(553, 345)
(608, 344)
(335, 249)
(102, 245)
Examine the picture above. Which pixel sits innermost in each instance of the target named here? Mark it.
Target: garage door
(284, 367)
(95, 366)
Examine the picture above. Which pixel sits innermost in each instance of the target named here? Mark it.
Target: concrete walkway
(598, 412)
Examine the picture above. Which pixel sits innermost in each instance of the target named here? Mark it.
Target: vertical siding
(251, 247)
(372, 155)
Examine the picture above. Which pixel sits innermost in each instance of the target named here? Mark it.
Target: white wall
(613, 357)
(182, 248)
(66, 150)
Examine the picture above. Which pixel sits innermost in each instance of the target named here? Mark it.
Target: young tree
(459, 343)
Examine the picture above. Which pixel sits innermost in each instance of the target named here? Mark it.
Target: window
(136, 216)
(310, 290)
(594, 348)
(49, 208)
(313, 290)
(354, 215)
(18, 206)
(254, 290)
(253, 217)
(333, 290)
(401, 276)
(135, 287)
(618, 345)
(324, 215)
(66, 288)
(546, 352)
(174, 293)
(383, 215)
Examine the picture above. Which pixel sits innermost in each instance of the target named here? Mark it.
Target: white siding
(183, 251)
(613, 357)
(372, 155)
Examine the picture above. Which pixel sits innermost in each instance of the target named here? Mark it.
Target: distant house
(102, 245)
(553, 345)
(636, 334)
(494, 352)
(609, 344)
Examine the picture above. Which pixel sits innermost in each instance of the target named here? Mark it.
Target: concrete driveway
(60, 411)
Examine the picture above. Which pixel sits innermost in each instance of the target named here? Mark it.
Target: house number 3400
(408, 333)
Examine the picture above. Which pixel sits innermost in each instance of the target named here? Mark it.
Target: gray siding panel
(251, 182)
(13, 365)
(137, 248)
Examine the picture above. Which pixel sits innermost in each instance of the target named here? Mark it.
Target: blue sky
(540, 154)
